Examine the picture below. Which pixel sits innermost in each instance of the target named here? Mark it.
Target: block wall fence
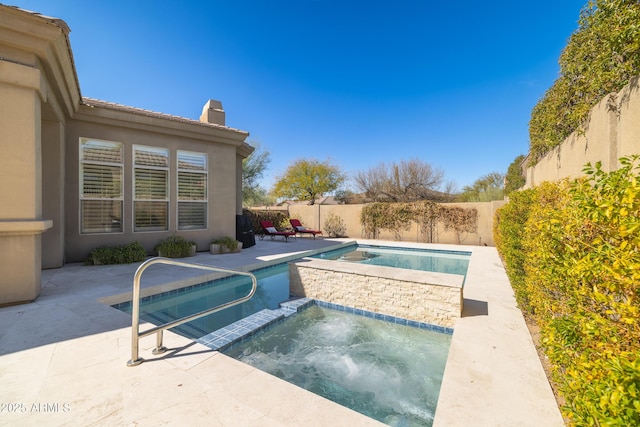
(611, 131)
(314, 216)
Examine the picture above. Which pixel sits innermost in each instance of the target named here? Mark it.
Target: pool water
(389, 372)
(414, 259)
(273, 288)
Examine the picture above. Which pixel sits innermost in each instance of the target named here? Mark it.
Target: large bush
(509, 238)
(125, 254)
(580, 267)
(601, 57)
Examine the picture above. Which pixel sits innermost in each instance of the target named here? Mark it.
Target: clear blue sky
(451, 83)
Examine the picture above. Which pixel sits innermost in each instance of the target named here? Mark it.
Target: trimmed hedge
(572, 252)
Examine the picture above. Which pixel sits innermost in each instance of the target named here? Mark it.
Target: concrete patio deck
(63, 358)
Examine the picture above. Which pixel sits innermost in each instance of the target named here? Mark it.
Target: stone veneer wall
(428, 297)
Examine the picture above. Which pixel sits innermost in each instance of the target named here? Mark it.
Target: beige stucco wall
(132, 129)
(427, 297)
(612, 131)
(53, 183)
(43, 116)
(314, 216)
(21, 223)
(628, 134)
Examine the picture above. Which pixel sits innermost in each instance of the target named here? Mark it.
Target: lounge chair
(299, 228)
(270, 230)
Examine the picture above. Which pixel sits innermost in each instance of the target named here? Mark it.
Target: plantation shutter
(101, 186)
(192, 190)
(151, 188)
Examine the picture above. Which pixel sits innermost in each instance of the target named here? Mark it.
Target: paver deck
(63, 359)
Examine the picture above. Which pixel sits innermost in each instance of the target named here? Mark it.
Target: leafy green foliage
(509, 237)
(253, 168)
(308, 179)
(514, 179)
(126, 254)
(484, 189)
(276, 218)
(580, 280)
(175, 247)
(601, 57)
(228, 244)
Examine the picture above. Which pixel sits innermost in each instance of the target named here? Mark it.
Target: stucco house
(79, 173)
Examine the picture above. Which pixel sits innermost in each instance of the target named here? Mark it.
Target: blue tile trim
(249, 326)
(434, 251)
(126, 306)
(245, 328)
(385, 317)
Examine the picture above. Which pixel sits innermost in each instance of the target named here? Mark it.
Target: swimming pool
(273, 288)
(389, 372)
(270, 304)
(452, 262)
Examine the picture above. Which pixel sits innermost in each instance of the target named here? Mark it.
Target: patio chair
(270, 230)
(299, 228)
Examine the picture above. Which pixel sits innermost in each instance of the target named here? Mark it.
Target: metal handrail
(135, 312)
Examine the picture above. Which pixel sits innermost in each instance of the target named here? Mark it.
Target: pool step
(186, 329)
(250, 325)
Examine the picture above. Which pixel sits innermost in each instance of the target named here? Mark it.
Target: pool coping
(199, 278)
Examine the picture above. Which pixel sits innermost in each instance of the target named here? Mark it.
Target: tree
(486, 188)
(308, 179)
(514, 179)
(253, 168)
(407, 181)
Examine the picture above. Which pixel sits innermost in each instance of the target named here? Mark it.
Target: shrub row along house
(79, 173)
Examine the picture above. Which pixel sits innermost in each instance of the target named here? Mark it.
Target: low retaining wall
(423, 296)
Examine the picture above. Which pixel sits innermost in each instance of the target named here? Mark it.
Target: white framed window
(192, 190)
(150, 188)
(101, 186)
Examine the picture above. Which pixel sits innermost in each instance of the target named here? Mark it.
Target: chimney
(212, 112)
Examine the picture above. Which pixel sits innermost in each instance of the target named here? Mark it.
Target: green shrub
(229, 244)
(514, 179)
(276, 218)
(284, 224)
(509, 237)
(581, 279)
(126, 254)
(175, 247)
(335, 226)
